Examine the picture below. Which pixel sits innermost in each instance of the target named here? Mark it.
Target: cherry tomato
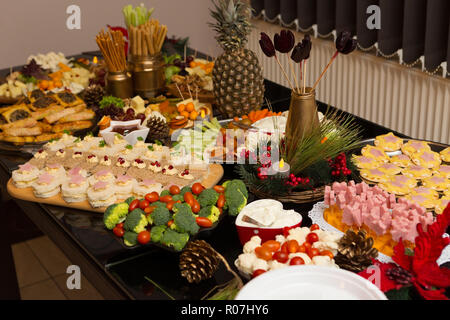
(134, 204)
(312, 237)
(203, 222)
(165, 199)
(221, 201)
(307, 246)
(170, 223)
(174, 190)
(219, 189)
(281, 257)
(143, 237)
(258, 272)
(284, 248)
(220, 210)
(301, 248)
(315, 226)
(118, 232)
(169, 205)
(292, 246)
(144, 204)
(152, 197)
(296, 261)
(149, 210)
(271, 245)
(197, 188)
(313, 252)
(195, 206)
(188, 198)
(263, 253)
(327, 253)
(119, 225)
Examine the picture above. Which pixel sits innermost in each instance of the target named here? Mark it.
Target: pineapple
(237, 75)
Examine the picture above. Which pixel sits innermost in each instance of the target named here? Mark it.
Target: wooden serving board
(27, 194)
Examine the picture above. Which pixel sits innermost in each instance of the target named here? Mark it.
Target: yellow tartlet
(441, 204)
(363, 162)
(389, 169)
(414, 146)
(417, 172)
(445, 154)
(375, 153)
(388, 142)
(374, 175)
(427, 159)
(422, 200)
(401, 160)
(437, 183)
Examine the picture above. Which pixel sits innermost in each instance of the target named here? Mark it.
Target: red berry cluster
(339, 166)
(295, 181)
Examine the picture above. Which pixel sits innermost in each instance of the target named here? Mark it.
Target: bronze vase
(148, 75)
(301, 120)
(119, 84)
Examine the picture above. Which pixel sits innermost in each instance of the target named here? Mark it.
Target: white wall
(39, 26)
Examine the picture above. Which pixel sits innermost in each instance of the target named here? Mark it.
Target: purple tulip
(345, 43)
(307, 45)
(267, 45)
(284, 41)
(297, 53)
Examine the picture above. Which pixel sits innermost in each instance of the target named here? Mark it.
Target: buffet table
(118, 272)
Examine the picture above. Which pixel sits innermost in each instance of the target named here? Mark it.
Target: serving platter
(215, 174)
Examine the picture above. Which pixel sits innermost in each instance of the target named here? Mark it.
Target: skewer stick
(325, 70)
(304, 78)
(284, 72)
(190, 92)
(295, 77)
(176, 84)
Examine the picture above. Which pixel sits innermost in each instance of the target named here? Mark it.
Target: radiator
(400, 98)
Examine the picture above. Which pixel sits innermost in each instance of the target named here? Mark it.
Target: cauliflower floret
(326, 245)
(274, 265)
(298, 234)
(252, 244)
(329, 236)
(260, 264)
(245, 262)
(302, 255)
(324, 261)
(280, 238)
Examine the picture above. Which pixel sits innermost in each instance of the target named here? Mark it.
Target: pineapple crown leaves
(231, 23)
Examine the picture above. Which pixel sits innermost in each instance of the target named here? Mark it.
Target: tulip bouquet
(284, 42)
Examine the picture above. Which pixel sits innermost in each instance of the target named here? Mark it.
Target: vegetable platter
(175, 216)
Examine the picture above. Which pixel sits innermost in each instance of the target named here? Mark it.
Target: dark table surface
(118, 272)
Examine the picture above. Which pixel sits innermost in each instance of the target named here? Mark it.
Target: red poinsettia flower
(427, 277)
(125, 34)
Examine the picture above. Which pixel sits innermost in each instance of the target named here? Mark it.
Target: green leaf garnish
(159, 143)
(118, 135)
(66, 132)
(76, 140)
(110, 100)
(129, 146)
(140, 139)
(102, 143)
(151, 148)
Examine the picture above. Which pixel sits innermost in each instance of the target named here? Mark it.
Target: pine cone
(399, 275)
(159, 130)
(355, 251)
(93, 95)
(198, 261)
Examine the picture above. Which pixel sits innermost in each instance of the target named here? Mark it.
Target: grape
(189, 59)
(177, 62)
(182, 65)
(141, 117)
(130, 112)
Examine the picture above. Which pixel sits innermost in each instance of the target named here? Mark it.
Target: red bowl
(265, 233)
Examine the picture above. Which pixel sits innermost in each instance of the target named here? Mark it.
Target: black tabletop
(130, 267)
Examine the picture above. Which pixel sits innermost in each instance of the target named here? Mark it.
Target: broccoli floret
(184, 219)
(184, 190)
(130, 238)
(210, 212)
(236, 184)
(158, 204)
(161, 216)
(235, 200)
(130, 200)
(178, 197)
(114, 214)
(136, 221)
(174, 239)
(208, 197)
(157, 233)
(149, 219)
(164, 193)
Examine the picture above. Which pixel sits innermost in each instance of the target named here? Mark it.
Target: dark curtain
(418, 27)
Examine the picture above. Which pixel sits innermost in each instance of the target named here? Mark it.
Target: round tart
(374, 152)
(363, 162)
(414, 146)
(421, 200)
(388, 142)
(374, 175)
(408, 181)
(441, 204)
(417, 172)
(428, 159)
(442, 171)
(389, 169)
(427, 192)
(445, 154)
(437, 183)
(395, 187)
(401, 160)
